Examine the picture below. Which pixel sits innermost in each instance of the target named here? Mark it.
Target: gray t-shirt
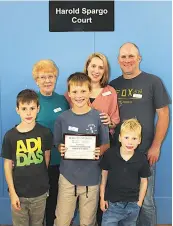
(80, 172)
(140, 97)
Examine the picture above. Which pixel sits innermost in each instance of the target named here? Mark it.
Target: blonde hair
(105, 79)
(44, 66)
(78, 78)
(131, 125)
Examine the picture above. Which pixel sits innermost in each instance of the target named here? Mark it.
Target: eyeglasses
(43, 78)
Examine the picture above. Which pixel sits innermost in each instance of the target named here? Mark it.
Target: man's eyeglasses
(43, 78)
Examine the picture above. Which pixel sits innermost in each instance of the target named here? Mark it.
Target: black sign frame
(78, 16)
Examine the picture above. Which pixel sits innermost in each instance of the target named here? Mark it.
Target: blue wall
(24, 39)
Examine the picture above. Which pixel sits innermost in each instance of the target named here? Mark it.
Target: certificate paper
(80, 146)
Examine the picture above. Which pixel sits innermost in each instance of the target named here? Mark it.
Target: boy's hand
(103, 205)
(15, 202)
(97, 153)
(62, 149)
(139, 203)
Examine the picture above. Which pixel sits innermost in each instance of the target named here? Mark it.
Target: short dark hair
(78, 78)
(27, 96)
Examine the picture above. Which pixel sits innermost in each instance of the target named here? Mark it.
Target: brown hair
(105, 79)
(78, 78)
(27, 96)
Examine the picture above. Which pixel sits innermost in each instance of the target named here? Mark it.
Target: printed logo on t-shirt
(127, 96)
(29, 152)
(91, 129)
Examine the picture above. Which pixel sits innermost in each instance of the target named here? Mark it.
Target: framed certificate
(80, 146)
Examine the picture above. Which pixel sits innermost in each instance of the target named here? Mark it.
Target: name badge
(137, 95)
(57, 110)
(74, 129)
(106, 93)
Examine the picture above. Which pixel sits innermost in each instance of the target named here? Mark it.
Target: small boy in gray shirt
(79, 178)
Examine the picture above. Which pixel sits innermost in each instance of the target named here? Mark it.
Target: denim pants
(31, 213)
(124, 212)
(147, 216)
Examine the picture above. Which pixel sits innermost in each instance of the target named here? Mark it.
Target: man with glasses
(51, 106)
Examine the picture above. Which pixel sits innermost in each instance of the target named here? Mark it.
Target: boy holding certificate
(80, 173)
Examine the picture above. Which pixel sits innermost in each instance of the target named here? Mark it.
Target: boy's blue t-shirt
(80, 172)
(50, 108)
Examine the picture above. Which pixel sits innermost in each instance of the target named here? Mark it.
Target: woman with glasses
(52, 104)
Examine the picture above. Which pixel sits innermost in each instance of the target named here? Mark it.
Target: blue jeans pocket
(137, 205)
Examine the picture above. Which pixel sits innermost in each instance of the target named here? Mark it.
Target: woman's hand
(105, 118)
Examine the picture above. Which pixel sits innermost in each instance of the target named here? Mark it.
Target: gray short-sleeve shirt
(80, 172)
(140, 97)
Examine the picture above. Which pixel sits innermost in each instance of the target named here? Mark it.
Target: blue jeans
(147, 216)
(124, 212)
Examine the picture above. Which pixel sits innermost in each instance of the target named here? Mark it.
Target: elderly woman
(51, 106)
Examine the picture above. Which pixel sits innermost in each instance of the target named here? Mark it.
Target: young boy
(26, 152)
(124, 178)
(79, 178)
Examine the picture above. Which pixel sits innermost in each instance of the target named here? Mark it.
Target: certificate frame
(75, 139)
